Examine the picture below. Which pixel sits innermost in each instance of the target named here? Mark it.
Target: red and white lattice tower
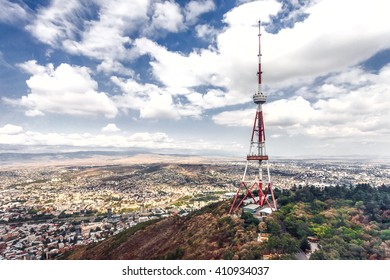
(257, 158)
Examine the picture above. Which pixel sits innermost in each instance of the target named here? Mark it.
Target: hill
(351, 222)
(205, 234)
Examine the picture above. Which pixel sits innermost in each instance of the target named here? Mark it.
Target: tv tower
(257, 158)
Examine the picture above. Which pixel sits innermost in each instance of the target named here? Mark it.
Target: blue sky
(178, 76)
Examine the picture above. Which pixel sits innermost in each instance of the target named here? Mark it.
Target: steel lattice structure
(257, 158)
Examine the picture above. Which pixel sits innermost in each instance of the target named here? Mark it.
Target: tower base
(265, 197)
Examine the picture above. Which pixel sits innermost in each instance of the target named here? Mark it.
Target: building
(251, 208)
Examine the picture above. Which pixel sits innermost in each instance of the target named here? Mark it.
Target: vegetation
(351, 222)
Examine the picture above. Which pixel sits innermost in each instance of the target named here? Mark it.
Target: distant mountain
(9, 158)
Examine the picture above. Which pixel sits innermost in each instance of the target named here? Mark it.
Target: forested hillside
(350, 222)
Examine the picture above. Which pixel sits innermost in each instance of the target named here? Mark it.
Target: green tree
(282, 244)
(322, 231)
(273, 226)
(385, 234)
(249, 219)
(304, 244)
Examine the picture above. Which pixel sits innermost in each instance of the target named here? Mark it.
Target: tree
(322, 231)
(282, 244)
(304, 245)
(273, 226)
(357, 252)
(262, 226)
(385, 234)
(249, 219)
(318, 255)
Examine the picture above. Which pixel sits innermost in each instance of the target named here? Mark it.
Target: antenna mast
(257, 153)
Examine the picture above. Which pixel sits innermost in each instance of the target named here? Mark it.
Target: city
(48, 209)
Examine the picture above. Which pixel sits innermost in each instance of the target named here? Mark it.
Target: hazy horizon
(103, 157)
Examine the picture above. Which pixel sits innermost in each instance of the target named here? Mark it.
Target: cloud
(154, 141)
(206, 32)
(248, 14)
(290, 13)
(12, 12)
(66, 90)
(149, 137)
(358, 111)
(11, 129)
(56, 22)
(159, 105)
(355, 107)
(109, 37)
(213, 98)
(167, 16)
(111, 127)
(195, 8)
(223, 69)
(320, 47)
(141, 140)
(292, 112)
(309, 64)
(173, 69)
(32, 67)
(105, 38)
(68, 26)
(3, 62)
(153, 102)
(349, 104)
(235, 118)
(285, 113)
(113, 66)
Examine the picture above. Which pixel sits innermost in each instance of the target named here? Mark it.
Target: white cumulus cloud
(65, 25)
(222, 70)
(11, 129)
(318, 45)
(111, 127)
(153, 102)
(66, 89)
(356, 109)
(197, 7)
(167, 16)
(206, 32)
(294, 57)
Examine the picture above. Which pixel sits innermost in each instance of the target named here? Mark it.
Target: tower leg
(246, 195)
(235, 198)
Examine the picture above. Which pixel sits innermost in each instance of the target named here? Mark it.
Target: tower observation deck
(257, 158)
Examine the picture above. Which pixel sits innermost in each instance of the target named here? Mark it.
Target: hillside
(206, 234)
(350, 222)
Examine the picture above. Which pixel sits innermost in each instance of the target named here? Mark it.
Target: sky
(169, 76)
